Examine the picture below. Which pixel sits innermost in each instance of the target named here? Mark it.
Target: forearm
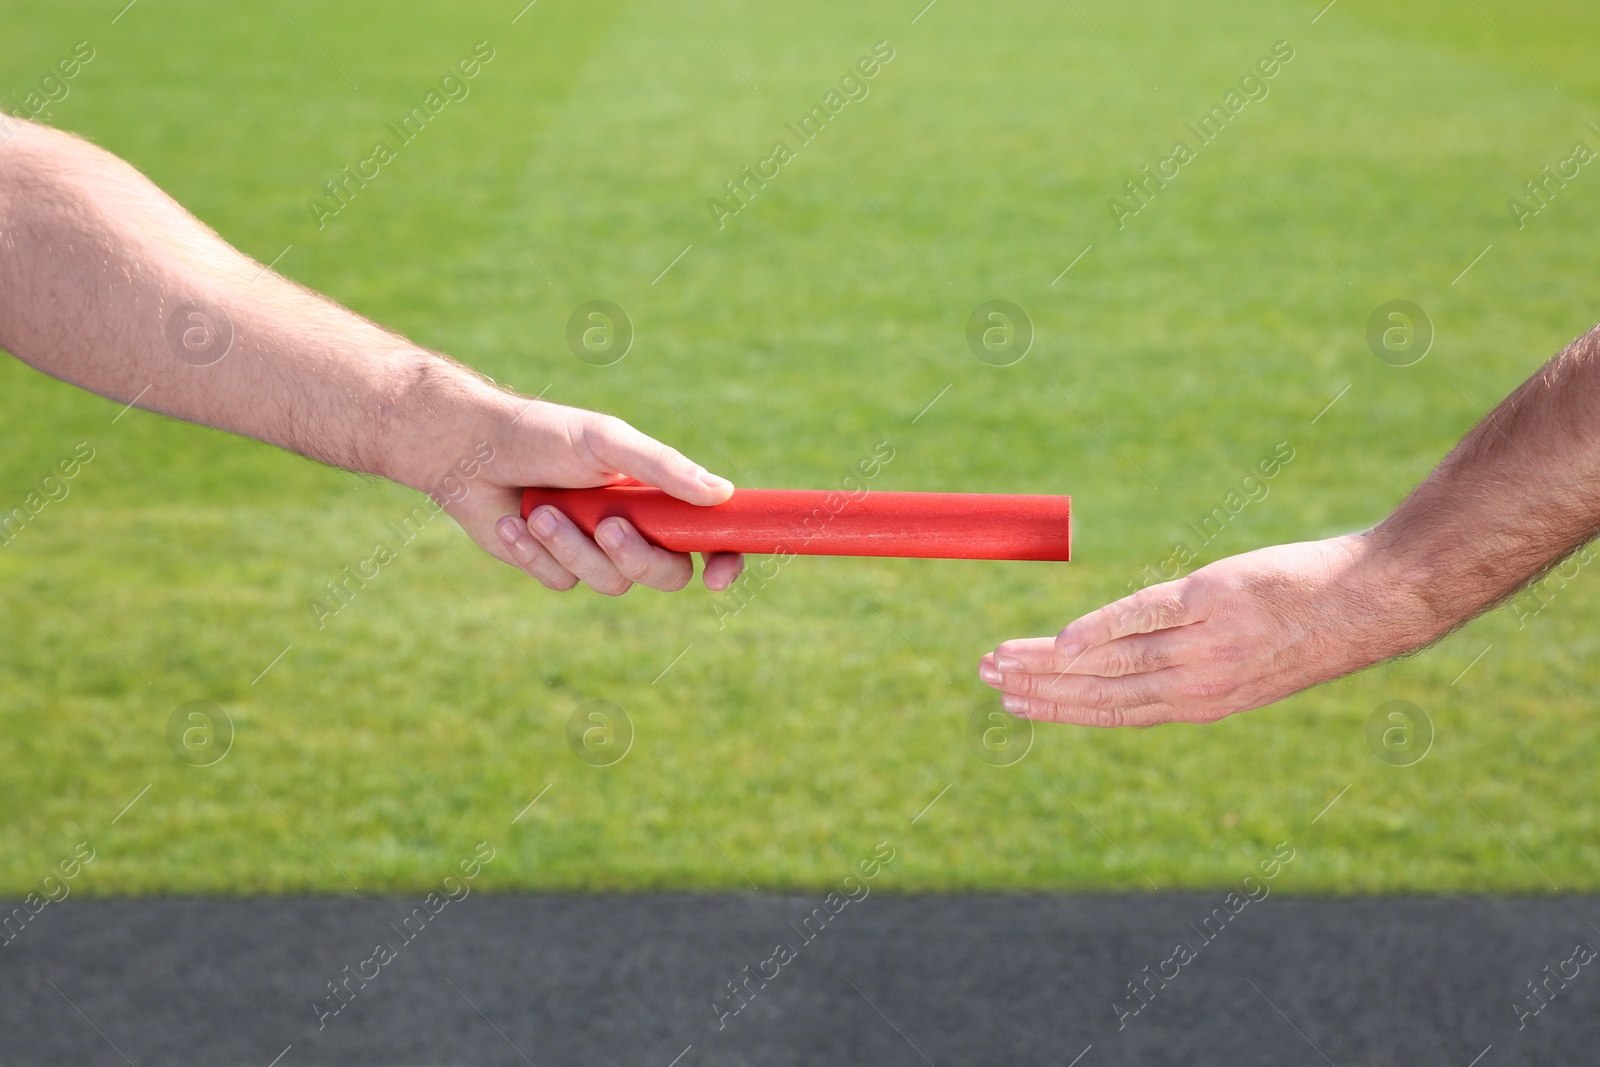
(1515, 497)
(98, 269)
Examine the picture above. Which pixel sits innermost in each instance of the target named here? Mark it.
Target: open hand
(1241, 633)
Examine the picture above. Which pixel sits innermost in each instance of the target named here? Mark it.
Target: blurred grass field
(780, 349)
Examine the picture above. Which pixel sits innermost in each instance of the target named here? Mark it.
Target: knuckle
(1146, 618)
(1046, 711)
(565, 557)
(1109, 717)
(596, 436)
(560, 546)
(603, 430)
(1140, 659)
(614, 586)
(1167, 610)
(633, 568)
(1119, 661)
(1101, 699)
(1214, 688)
(1115, 618)
(1200, 585)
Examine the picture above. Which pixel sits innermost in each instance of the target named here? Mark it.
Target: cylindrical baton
(830, 523)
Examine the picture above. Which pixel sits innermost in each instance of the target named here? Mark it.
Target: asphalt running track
(641, 981)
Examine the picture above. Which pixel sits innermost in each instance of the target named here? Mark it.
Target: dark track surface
(954, 980)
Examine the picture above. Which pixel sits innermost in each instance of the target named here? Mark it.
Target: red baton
(815, 522)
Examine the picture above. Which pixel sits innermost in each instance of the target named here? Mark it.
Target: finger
(626, 450)
(1049, 711)
(639, 561)
(574, 551)
(722, 569)
(1135, 654)
(1027, 654)
(531, 556)
(1158, 607)
(1082, 690)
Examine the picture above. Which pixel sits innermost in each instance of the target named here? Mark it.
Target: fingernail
(1014, 704)
(1008, 663)
(544, 524)
(987, 672)
(506, 528)
(713, 481)
(1070, 650)
(610, 534)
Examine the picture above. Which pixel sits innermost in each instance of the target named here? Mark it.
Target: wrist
(1393, 596)
(443, 415)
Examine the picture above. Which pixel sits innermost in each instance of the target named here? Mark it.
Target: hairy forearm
(108, 283)
(1514, 498)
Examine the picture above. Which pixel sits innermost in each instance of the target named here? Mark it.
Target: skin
(1512, 500)
(97, 266)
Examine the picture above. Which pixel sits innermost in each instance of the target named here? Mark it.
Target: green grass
(780, 350)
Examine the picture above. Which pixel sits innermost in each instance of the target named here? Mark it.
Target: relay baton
(830, 522)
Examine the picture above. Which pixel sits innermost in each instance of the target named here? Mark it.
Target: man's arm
(108, 283)
(1514, 498)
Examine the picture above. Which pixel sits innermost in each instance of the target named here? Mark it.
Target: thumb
(627, 451)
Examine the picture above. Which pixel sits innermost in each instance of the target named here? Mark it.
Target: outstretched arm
(108, 283)
(1514, 498)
